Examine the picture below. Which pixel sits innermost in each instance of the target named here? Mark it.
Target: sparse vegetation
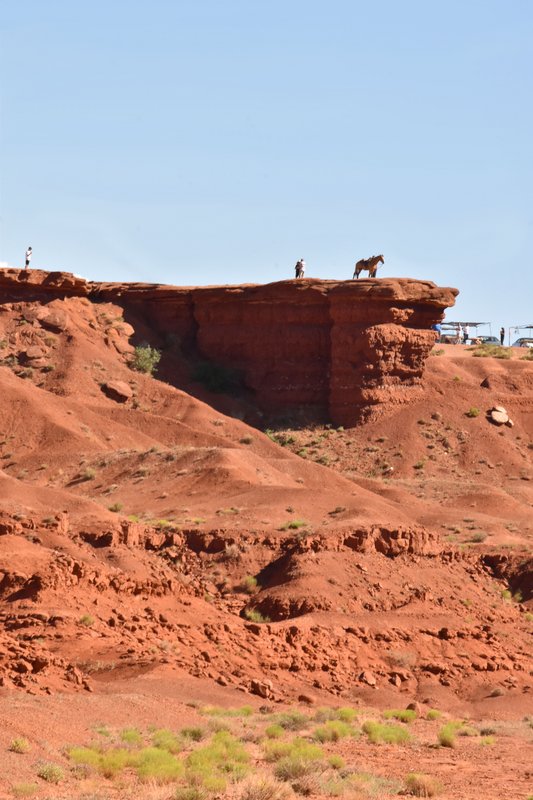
(249, 584)
(145, 359)
(51, 773)
(402, 714)
(421, 785)
(115, 507)
(19, 745)
(86, 620)
(378, 732)
(473, 412)
(294, 524)
(252, 615)
(491, 351)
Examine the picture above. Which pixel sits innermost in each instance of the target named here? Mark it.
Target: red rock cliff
(339, 348)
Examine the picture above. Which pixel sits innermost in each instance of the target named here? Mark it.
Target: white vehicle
(524, 341)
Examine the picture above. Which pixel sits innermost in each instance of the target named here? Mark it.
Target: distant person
(466, 334)
(29, 253)
(502, 336)
(438, 331)
(300, 268)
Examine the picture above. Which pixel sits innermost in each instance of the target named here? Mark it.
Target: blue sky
(217, 142)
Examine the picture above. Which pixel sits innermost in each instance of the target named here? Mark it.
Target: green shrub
(390, 734)
(448, 733)
(253, 615)
(19, 745)
(131, 736)
(249, 584)
(403, 714)
(473, 412)
(195, 734)
(293, 524)
(433, 714)
(332, 731)
(145, 359)
(300, 748)
(224, 758)
(86, 620)
(292, 720)
(215, 711)
(491, 351)
(167, 740)
(108, 763)
(152, 763)
(24, 789)
(274, 731)
(421, 785)
(51, 773)
(336, 761)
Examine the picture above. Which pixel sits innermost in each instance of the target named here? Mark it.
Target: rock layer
(339, 349)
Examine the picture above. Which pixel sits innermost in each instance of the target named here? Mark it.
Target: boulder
(117, 390)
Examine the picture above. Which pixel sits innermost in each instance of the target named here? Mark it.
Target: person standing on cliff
(502, 335)
(300, 268)
(29, 253)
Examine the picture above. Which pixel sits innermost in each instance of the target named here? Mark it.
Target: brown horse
(369, 264)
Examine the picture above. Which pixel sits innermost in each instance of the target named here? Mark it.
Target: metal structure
(453, 329)
(517, 329)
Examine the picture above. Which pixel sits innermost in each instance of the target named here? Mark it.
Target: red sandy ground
(411, 536)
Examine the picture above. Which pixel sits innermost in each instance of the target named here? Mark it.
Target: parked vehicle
(524, 341)
(487, 339)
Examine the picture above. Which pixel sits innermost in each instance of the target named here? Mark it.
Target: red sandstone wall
(340, 348)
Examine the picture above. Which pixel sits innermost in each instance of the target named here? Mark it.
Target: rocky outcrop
(337, 349)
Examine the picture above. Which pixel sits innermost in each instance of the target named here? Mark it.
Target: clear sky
(217, 141)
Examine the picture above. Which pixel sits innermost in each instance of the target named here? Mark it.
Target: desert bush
(223, 758)
(160, 766)
(293, 524)
(491, 351)
(274, 731)
(167, 740)
(403, 714)
(297, 748)
(24, 789)
(51, 773)
(433, 714)
(115, 507)
(20, 745)
(87, 475)
(292, 720)
(86, 620)
(145, 359)
(447, 734)
(421, 785)
(252, 615)
(473, 412)
(249, 584)
(215, 711)
(378, 732)
(332, 731)
(336, 761)
(131, 736)
(263, 787)
(295, 767)
(195, 734)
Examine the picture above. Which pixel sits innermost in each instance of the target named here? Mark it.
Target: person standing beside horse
(368, 264)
